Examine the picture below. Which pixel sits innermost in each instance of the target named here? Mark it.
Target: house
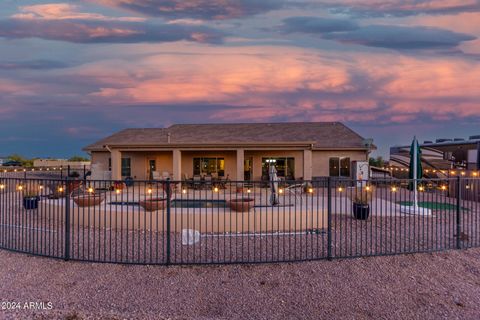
(443, 154)
(242, 151)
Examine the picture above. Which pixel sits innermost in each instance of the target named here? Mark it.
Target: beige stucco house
(301, 150)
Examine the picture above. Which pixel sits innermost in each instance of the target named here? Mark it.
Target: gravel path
(422, 286)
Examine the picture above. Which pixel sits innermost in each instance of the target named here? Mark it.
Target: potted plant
(241, 204)
(73, 182)
(31, 197)
(88, 199)
(153, 204)
(361, 198)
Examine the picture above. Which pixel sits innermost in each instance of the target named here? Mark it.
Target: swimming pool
(181, 203)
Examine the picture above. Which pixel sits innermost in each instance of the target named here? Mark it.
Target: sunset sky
(72, 72)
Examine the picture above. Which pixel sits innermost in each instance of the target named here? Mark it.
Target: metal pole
(168, 191)
(329, 218)
(67, 220)
(458, 220)
(415, 174)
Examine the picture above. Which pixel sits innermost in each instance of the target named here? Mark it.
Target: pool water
(182, 203)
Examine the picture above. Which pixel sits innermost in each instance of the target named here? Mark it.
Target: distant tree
(377, 162)
(78, 159)
(24, 161)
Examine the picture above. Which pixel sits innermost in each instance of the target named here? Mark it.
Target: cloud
(395, 37)
(383, 36)
(64, 11)
(399, 8)
(317, 25)
(196, 9)
(65, 22)
(33, 65)
(87, 31)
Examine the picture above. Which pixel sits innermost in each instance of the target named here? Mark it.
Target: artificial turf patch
(432, 205)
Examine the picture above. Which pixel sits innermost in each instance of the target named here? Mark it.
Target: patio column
(177, 165)
(307, 164)
(116, 156)
(240, 164)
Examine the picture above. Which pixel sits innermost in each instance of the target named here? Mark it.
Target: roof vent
(169, 135)
(477, 137)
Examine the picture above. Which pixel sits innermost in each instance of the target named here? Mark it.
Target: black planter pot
(361, 211)
(30, 203)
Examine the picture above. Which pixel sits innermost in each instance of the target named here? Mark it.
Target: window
(339, 167)
(285, 167)
(208, 166)
(126, 167)
(109, 164)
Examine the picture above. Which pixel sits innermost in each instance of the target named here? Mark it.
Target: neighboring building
(442, 154)
(57, 163)
(3, 160)
(235, 151)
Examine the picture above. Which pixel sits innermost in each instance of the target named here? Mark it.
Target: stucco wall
(139, 161)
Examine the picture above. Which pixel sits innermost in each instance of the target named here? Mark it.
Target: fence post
(169, 193)
(458, 213)
(67, 220)
(329, 218)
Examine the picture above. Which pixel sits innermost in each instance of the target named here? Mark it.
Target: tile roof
(321, 134)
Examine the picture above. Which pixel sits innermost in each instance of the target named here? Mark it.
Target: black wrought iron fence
(208, 221)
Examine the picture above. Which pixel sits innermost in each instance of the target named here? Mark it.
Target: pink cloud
(64, 11)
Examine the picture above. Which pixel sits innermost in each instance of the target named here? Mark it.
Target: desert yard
(442, 285)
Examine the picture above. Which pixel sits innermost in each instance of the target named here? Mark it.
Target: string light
(280, 191)
(367, 188)
(215, 189)
(2, 186)
(90, 190)
(249, 190)
(20, 188)
(149, 190)
(60, 189)
(444, 187)
(310, 190)
(40, 187)
(184, 190)
(340, 189)
(117, 191)
(421, 188)
(394, 189)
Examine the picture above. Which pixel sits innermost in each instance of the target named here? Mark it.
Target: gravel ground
(422, 286)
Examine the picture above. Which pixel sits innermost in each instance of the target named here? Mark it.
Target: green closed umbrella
(415, 171)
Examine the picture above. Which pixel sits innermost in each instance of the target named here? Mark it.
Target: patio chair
(156, 175)
(197, 182)
(208, 182)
